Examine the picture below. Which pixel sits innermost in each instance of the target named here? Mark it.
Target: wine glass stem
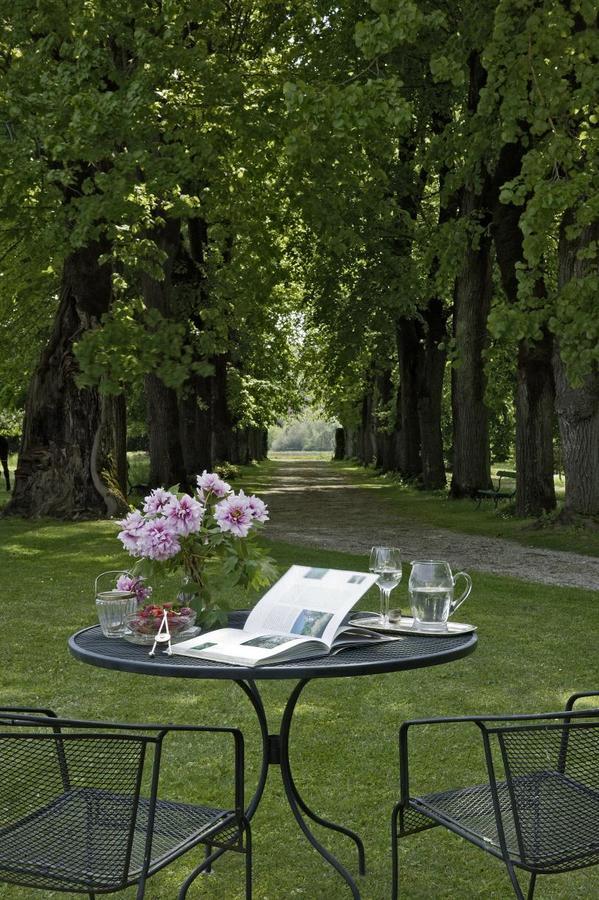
(385, 595)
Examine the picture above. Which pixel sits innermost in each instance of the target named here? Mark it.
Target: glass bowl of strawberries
(144, 624)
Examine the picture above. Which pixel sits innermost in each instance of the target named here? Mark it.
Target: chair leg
(248, 860)
(531, 886)
(199, 870)
(394, 854)
(207, 853)
(514, 880)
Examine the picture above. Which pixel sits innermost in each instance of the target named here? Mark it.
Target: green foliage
(324, 149)
(11, 422)
(541, 90)
(228, 471)
(119, 120)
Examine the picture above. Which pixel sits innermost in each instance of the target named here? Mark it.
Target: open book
(302, 615)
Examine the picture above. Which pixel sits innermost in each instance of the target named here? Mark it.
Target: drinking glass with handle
(386, 563)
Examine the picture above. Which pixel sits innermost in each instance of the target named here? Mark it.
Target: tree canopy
(355, 203)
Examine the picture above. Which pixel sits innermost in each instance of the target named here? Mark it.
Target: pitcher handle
(109, 572)
(458, 603)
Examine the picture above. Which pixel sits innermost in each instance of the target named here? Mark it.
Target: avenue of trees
(217, 208)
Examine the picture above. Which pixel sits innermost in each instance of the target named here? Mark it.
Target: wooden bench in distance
(496, 494)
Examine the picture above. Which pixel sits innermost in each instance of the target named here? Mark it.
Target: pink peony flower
(210, 483)
(234, 514)
(159, 540)
(133, 529)
(155, 502)
(185, 515)
(258, 507)
(134, 583)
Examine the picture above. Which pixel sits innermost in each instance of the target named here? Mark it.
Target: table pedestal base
(275, 752)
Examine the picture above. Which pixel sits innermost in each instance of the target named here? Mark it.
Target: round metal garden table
(411, 652)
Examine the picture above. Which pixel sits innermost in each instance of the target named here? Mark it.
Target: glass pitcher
(431, 588)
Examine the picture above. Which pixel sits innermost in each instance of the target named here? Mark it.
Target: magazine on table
(302, 615)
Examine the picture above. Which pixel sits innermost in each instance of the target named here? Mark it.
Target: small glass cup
(113, 606)
(114, 609)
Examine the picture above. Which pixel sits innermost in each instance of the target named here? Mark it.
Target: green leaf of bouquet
(229, 565)
(192, 587)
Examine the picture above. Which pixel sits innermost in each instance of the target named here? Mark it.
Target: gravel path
(313, 504)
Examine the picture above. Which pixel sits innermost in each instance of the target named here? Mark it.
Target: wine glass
(386, 563)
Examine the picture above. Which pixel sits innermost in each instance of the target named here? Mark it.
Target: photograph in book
(302, 615)
(267, 641)
(311, 622)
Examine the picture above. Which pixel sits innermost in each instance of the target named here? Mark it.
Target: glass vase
(114, 607)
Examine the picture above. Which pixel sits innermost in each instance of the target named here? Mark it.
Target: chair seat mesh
(78, 840)
(558, 819)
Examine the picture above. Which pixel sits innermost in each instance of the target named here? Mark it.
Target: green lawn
(536, 645)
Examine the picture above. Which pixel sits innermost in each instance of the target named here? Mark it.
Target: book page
(233, 645)
(309, 602)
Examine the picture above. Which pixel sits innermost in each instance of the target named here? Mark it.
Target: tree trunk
(385, 458)
(429, 393)
(408, 350)
(195, 401)
(166, 456)
(535, 491)
(222, 425)
(535, 395)
(339, 443)
(431, 373)
(263, 444)
(255, 443)
(239, 453)
(66, 461)
(365, 448)
(578, 407)
(350, 442)
(119, 419)
(195, 425)
(471, 456)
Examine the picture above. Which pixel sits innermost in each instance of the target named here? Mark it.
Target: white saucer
(406, 626)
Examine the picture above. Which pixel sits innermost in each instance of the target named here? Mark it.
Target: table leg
(251, 691)
(275, 751)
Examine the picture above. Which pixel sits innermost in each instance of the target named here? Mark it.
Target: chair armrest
(33, 716)
(404, 774)
(578, 696)
(23, 710)
(486, 725)
(239, 751)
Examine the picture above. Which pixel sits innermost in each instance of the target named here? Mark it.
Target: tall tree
(68, 442)
(473, 291)
(578, 405)
(543, 63)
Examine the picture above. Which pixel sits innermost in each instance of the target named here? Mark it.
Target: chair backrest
(81, 780)
(552, 786)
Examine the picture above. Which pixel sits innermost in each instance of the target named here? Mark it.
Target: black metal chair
(81, 807)
(539, 810)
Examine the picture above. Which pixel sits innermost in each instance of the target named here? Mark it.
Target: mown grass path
(315, 504)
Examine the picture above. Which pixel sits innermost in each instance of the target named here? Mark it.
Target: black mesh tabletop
(409, 652)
